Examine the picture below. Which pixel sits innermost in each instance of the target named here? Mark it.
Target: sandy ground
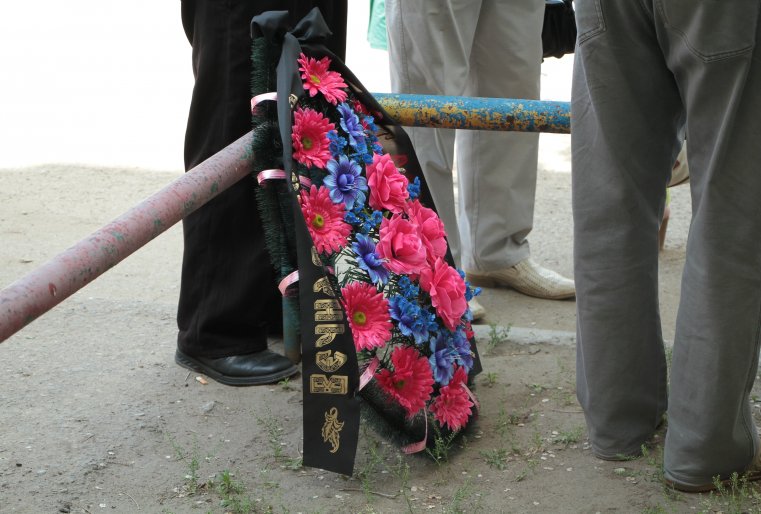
(95, 415)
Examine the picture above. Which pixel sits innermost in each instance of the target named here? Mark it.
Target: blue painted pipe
(460, 112)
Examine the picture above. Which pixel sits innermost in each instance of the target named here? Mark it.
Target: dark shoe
(264, 367)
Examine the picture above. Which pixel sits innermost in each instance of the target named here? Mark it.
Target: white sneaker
(528, 278)
(476, 309)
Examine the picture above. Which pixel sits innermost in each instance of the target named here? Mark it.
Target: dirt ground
(96, 417)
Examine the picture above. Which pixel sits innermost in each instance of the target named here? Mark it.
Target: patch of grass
(272, 427)
(286, 384)
(490, 379)
(737, 497)
(496, 458)
(496, 336)
(232, 496)
(442, 444)
(569, 437)
(370, 467)
(402, 472)
(461, 495)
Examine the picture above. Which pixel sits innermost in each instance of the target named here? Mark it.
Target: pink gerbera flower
(319, 79)
(310, 138)
(325, 220)
(452, 407)
(411, 381)
(368, 315)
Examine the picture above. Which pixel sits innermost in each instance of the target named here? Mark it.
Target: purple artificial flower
(441, 359)
(368, 260)
(353, 128)
(345, 182)
(463, 351)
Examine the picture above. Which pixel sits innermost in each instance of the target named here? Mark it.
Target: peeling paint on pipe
(43, 288)
(477, 113)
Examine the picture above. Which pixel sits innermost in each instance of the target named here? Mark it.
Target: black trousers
(228, 296)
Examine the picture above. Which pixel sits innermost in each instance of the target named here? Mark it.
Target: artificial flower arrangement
(406, 306)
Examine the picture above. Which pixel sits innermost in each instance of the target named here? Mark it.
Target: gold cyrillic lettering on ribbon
(331, 430)
(321, 384)
(323, 285)
(316, 257)
(328, 310)
(330, 362)
(327, 333)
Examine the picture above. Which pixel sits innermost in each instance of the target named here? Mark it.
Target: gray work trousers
(645, 72)
(487, 48)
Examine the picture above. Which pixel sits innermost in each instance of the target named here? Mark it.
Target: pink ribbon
(367, 375)
(287, 281)
(471, 396)
(276, 174)
(420, 445)
(261, 98)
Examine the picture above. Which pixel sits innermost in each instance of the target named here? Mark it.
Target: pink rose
(401, 246)
(431, 230)
(388, 187)
(447, 290)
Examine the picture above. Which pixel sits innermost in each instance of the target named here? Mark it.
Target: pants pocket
(713, 29)
(590, 21)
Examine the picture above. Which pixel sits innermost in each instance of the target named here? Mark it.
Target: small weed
(496, 458)
(441, 446)
(736, 497)
(490, 379)
(191, 479)
(462, 494)
(569, 437)
(536, 388)
(370, 468)
(286, 384)
(496, 336)
(274, 431)
(402, 472)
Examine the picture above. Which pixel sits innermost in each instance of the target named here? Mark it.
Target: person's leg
(497, 170)
(228, 296)
(227, 293)
(710, 425)
(625, 136)
(429, 52)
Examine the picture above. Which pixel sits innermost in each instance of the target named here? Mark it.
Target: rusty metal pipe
(459, 112)
(43, 288)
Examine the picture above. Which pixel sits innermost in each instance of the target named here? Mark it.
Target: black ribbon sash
(330, 374)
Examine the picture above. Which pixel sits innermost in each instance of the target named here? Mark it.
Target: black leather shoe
(264, 367)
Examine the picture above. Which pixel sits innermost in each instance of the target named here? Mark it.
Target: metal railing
(46, 286)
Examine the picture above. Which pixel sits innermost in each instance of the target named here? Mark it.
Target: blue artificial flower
(368, 260)
(337, 143)
(470, 291)
(345, 182)
(413, 188)
(351, 218)
(364, 223)
(441, 359)
(412, 320)
(464, 353)
(409, 290)
(353, 128)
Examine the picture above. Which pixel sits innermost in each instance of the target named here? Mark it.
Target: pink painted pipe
(42, 289)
